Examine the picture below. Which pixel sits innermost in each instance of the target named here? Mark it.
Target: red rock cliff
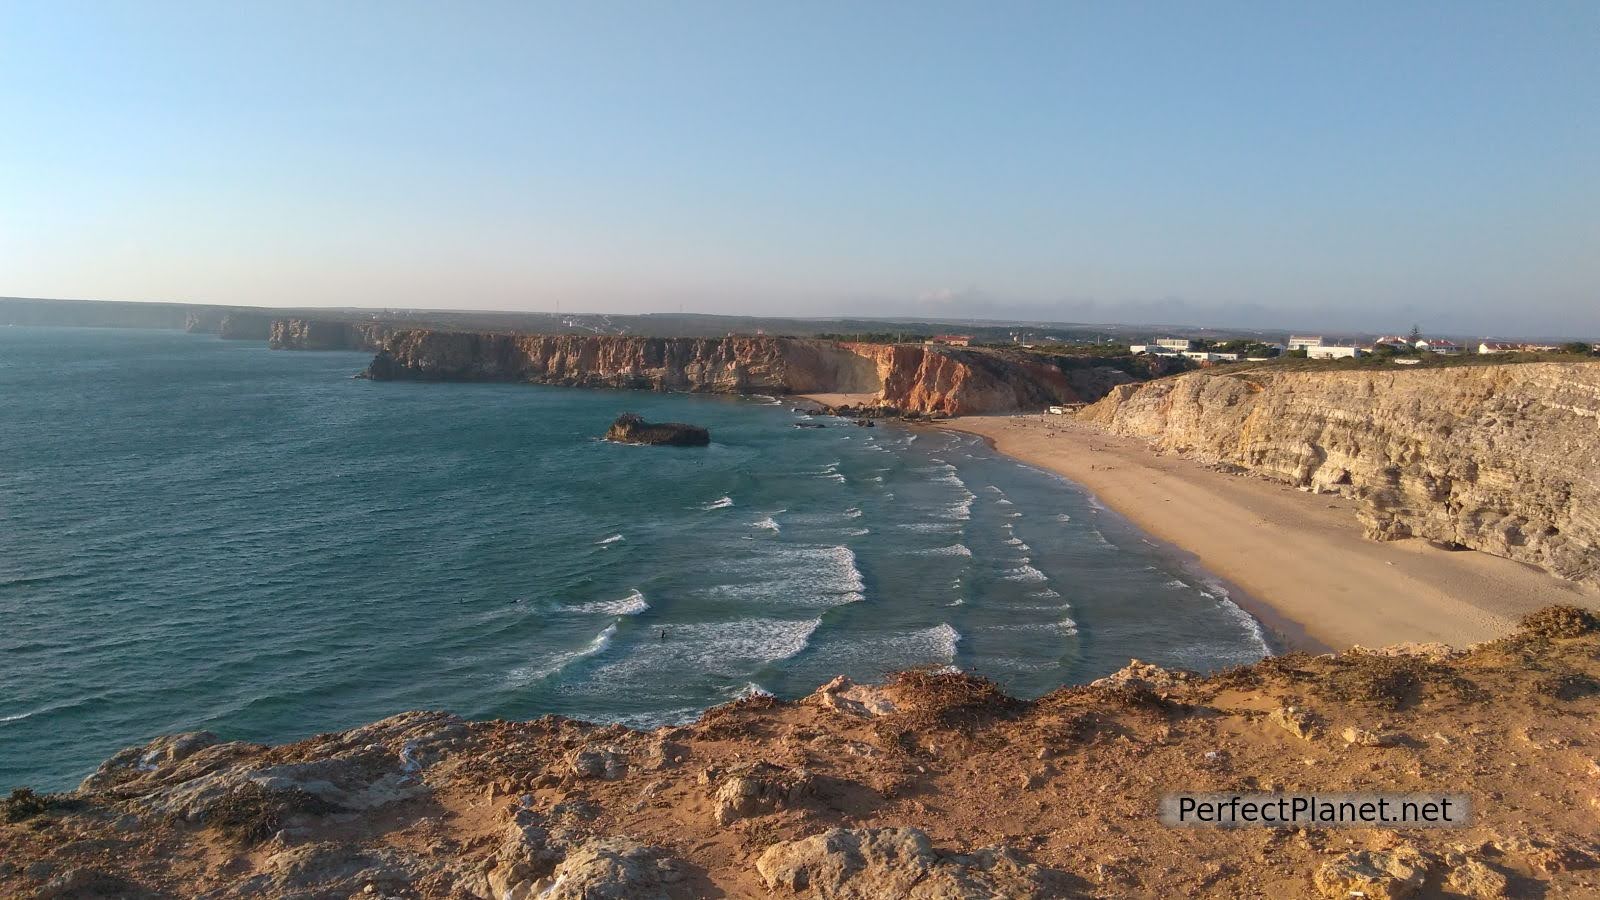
(915, 378)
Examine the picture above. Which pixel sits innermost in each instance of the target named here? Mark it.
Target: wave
(990, 487)
(1063, 518)
(1003, 502)
(857, 532)
(560, 661)
(767, 524)
(931, 527)
(1017, 543)
(18, 717)
(1064, 625)
(945, 637)
(853, 512)
(1258, 636)
(721, 503)
(1045, 594)
(959, 512)
(952, 550)
(609, 540)
(631, 605)
(1025, 573)
(798, 576)
(734, 649)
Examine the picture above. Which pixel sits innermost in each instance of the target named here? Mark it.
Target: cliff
(911, 377)
(237, 326)
(929, 786)
(1499, 458)
(320, 334)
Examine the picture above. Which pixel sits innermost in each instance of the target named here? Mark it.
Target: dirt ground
(1069, 784)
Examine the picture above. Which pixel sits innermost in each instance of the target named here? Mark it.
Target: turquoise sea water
(197, 533)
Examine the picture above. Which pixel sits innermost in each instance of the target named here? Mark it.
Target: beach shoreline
(1296, 561)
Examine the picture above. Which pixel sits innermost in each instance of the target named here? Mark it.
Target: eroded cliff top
(932, 784)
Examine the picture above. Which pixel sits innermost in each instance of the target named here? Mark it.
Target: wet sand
(1299, 558)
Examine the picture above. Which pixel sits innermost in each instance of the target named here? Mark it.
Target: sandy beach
(1298, 559)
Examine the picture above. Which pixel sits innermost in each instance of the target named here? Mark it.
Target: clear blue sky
(1345, 164)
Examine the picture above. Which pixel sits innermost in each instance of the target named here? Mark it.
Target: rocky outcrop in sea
(630, 428)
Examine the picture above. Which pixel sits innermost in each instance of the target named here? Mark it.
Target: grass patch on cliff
(22, 805)
(943, 699)
(251, 813)
(1560, 621)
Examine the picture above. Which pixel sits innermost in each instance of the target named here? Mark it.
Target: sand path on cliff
(1300, 558)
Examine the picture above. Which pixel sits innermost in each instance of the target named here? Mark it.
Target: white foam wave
(799, 576)
(720, 503)
(1045, 594)
(16, 718)
(560, 661)
(931, 527)
(1063, 518)
(631, 605)
(857, 532)
(609, 540)
(853, 512)
(767, 524)
(944, 637)
(727, 649)
(959, 512)
(1003, 502)
(1025, 573)
(1252, 628)
(952, 550)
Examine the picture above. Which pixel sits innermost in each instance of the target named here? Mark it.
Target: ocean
(206, 534)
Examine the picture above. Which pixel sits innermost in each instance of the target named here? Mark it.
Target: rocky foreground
(931, 786)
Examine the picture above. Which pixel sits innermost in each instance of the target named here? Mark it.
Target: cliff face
(244, 327)
(316, 334)
(962, 382)
(914, 378)
(1504, 459)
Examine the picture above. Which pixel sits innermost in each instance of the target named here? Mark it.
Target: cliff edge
(1499, 458)
(933, 785)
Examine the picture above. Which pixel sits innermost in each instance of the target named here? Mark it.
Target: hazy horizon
(1359, 168)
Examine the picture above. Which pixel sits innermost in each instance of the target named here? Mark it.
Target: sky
(1357, 165)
